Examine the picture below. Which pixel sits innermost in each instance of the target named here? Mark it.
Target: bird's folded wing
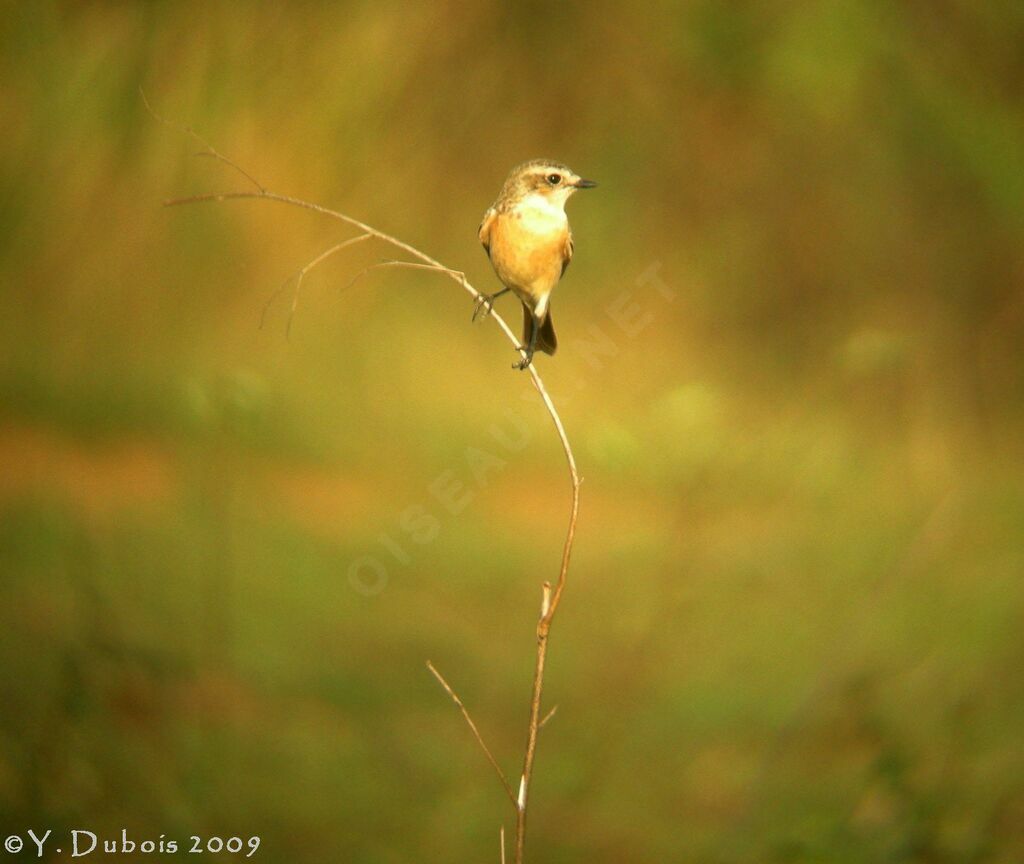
(567, 250)
(485, 229)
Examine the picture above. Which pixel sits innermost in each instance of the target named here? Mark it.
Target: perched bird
(527, 238)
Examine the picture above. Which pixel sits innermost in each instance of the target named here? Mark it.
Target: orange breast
(526, 259)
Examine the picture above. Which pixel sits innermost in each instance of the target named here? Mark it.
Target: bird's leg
(529, 349)
(485, 302)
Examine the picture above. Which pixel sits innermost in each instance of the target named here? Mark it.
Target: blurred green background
(791, 367)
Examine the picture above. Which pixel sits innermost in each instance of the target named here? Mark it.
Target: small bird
(527, 238)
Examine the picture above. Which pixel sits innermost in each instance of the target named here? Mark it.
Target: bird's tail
(546, 339)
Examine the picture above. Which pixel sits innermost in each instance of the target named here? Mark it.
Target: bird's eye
(554, 179)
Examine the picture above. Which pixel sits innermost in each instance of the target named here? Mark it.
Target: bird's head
(551, 180)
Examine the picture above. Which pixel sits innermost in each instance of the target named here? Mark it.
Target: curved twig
(300, 274)
(552, 594)
(209, 151)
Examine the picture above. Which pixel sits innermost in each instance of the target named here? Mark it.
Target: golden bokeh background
(791, 368)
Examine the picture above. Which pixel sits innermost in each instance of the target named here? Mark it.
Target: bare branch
(300, 274)
(215, 196)
(412, 265)
(475, 731)
(552, 593)
(378, 266)
(209, 151)
(547, 717)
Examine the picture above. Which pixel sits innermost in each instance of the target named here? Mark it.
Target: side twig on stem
(300, 274)
(474, 730)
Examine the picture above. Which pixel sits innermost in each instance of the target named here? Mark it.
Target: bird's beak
(585, 184)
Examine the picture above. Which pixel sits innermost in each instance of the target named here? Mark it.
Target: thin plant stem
(552, 594)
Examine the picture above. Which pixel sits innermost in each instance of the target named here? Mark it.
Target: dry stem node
(552, 594)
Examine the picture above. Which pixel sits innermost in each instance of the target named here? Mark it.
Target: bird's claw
(526, 361)
(482, 306)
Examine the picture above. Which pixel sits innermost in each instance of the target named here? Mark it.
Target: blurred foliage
(791, 368)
